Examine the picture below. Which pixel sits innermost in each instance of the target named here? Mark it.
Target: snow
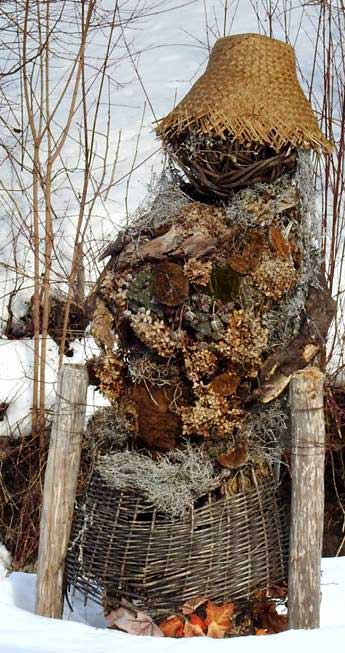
(16, 365)
(23, 632)
(5, 561)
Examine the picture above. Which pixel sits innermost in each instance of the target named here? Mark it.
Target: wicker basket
(225, 547)
(216, 168)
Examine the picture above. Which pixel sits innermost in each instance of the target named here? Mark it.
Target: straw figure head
(247, 107)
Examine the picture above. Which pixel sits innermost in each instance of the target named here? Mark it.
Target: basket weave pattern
(227, 167)
(250, 90)
(227, 548)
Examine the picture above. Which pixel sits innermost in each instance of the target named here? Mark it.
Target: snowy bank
(23, 632)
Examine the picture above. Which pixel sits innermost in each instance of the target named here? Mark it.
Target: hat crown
(249, 90)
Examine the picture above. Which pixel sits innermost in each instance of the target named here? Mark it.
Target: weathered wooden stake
(60, 487)
(307, 509)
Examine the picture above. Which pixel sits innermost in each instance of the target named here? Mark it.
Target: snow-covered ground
(83, 630)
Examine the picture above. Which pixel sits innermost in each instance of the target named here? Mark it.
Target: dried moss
(171, 483)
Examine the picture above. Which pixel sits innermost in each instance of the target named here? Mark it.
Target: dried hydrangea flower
(274, 276)
(244, 341)
(155, 334)
(203, 218)
(114, 288)
(110, 376)
(199, 361)
(198, 272)
(210, 415)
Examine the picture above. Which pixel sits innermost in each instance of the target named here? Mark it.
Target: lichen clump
(170, 484)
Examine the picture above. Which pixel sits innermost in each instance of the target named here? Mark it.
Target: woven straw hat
(250, 89)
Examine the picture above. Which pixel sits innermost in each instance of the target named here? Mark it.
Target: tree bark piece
(276, 372)
(307, 509)
(60, 487)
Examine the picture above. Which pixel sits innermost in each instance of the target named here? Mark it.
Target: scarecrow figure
(211, 299)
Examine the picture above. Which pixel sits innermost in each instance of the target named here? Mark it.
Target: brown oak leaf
(236, 457)
(225, 384)
(269, 619)
(278, 243)
(241, 264)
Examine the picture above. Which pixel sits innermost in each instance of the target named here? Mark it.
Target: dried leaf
(158, 425)
(197, 621)
(236, 457)
(190, 606)
(215, 631)
(261, 631)
(133, 623)
(220, 614)
(172, 626)
(268, 618)
(225, 384)
(241, 264)
(102, 321)
(170, 284)
(158, 247)
(278, 243)
(196, 246)
(193, 630)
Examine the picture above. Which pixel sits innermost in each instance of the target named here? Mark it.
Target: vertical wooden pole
(60, 487)
(307, 501)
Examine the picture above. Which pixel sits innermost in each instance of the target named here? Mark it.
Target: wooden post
(60, 487)
(307, 500)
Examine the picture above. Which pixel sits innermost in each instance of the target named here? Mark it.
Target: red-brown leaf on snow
(261, 631)
(193, 604)
(215, 631)
(195, 620)
(193, 630)
(220, 614)
(268, 618)
(172, 626)
(134, 623)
